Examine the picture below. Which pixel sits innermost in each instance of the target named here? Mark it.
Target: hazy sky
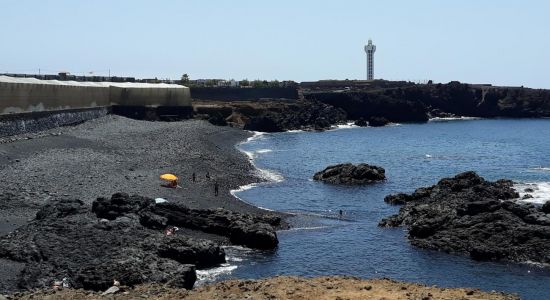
(492, 41)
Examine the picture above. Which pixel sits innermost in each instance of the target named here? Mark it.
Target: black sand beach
(116, 154)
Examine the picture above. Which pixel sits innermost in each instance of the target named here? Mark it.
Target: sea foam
(462, 118)
(540, 193)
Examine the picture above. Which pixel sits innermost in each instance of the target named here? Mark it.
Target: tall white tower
(370, 49)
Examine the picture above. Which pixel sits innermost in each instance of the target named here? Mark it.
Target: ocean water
(414, 155)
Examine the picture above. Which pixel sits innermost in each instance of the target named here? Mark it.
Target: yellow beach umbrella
(169, 177)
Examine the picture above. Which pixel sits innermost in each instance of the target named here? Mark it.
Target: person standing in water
(216, 188)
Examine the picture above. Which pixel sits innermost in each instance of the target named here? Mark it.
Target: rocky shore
(469, 215)
(109, 155)
(285, 287)
(131, 239)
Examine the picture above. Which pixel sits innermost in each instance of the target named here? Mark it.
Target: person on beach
(341, 213)
(207, 175)
(193, 177)
(216, 188)
(174, 184)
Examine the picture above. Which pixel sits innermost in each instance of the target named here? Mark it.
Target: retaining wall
(24, 97)
(13, 124)
(19, 95)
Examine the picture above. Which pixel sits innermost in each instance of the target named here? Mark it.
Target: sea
(413, 155)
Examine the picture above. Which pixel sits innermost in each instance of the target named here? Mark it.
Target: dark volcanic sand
(117, 154)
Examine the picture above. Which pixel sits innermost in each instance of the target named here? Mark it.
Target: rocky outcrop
(368, 104)
(409, 102)
(304, 115)
(378, 121)
(349, 174)
(124, 238)
(468, 215)
(67, 241)
(272, 115)
(243, 229)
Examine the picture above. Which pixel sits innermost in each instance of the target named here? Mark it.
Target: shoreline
(115, 154)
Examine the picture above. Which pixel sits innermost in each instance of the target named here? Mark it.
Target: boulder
(378, 121)
(361, 122)
(349, 174)
(546, 207)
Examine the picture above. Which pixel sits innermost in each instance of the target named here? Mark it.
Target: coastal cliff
(409, 102)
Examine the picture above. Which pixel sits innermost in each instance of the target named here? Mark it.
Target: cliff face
(415, 103)
(482, 101)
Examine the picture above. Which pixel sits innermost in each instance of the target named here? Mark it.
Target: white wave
(461, 118)
(269, 175)
(250, 154)
(428, 156)
(295, 131)
(264, 151)
(255, 135)
(540, 191)
(209, 275)
(540, 169)
(346, 126)
(238, 248)
(244, 188)
(306, 228)
(233, 258)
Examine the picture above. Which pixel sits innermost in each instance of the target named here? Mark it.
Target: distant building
(369, 50)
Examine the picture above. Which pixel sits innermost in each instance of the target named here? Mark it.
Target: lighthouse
(370, 49)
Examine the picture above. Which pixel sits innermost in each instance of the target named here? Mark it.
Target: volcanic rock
(123, 238)
(378, 121)
(468, 215)
(349, 174)
(361, 122)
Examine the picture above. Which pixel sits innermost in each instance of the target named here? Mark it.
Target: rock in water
(349, 174)
(468, 215)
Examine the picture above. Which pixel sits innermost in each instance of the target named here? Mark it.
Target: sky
(500, 42)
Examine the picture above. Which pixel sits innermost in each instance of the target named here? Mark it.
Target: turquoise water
(413, 155)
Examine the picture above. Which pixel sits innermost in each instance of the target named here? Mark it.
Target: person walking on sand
(193, 176)
(216, 188)
(207, 175)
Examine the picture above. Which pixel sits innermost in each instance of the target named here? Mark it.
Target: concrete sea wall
(14, 124)
(30, 104)
(24, 97)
